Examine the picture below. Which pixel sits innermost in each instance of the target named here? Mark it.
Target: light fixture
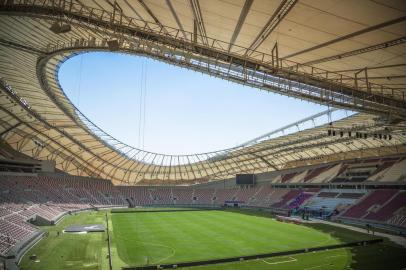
(60, 28)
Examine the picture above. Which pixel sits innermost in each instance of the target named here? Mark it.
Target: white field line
(314, 267)
(335, 256)
(324, 242)
(167, 257)
(287, 261)
(160, 245)
(309, 268)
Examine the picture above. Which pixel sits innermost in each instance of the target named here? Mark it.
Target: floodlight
(59, 28)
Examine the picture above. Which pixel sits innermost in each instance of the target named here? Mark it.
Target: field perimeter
(169, 237)
(191, 236)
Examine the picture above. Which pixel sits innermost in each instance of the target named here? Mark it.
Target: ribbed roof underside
(321, 45)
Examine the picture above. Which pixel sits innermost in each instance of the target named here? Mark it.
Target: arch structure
(270, 46)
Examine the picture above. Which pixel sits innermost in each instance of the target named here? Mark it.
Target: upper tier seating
(298, 178)
(315, 172)
(326, 175)
(396, 172)
(381, 170)
(287, 177)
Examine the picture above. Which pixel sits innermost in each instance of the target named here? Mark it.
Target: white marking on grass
(326, 241)
(167, 257)
(317, 266)
(342, 255)
(160, 245)
(287, 261)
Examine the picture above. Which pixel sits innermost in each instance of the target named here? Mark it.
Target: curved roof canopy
(348, 55)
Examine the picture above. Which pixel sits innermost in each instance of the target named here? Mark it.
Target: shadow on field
(386, 255)
(380, 256)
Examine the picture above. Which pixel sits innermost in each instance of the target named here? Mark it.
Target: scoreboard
(245, 179)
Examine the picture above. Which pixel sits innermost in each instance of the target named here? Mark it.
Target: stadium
(325, 191)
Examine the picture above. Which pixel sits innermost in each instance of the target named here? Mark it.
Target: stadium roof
(343, 54)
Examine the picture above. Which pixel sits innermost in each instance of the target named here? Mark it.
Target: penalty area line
(287, 261)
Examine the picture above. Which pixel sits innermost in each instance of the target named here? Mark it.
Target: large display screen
(245, 179)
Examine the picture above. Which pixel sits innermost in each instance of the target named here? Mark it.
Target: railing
(118, 25)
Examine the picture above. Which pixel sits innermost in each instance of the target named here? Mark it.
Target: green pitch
(153, 209)
(192, 236)
(70, 251)
(169, 237)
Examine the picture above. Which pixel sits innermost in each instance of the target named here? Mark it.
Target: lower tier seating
(49, 197)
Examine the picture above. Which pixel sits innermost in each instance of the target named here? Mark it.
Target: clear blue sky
(185, 111)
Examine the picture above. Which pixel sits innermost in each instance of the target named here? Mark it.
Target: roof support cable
(144, 102)
(79, 82)
(140, 103)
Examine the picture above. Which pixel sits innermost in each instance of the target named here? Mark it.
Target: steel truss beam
(4, 86)
(149, 11)
(197, 15)
(280, 13)
(326, 87)
(21, 47)
(244, 12)
(213, 169)
(282, 129)
(355, 99)
(63, 155)
(375, 47)
(257, 78)
(10, 129)
(345, 37)
(176, 17)
(200, 161)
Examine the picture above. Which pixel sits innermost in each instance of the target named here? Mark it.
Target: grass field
(71, 251)
(190, 236)
(153, 209)
(169, 237)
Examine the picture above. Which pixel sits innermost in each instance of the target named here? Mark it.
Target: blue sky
(185, 111)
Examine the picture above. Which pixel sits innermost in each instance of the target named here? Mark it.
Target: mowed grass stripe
(88, 251)
(191, 236)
